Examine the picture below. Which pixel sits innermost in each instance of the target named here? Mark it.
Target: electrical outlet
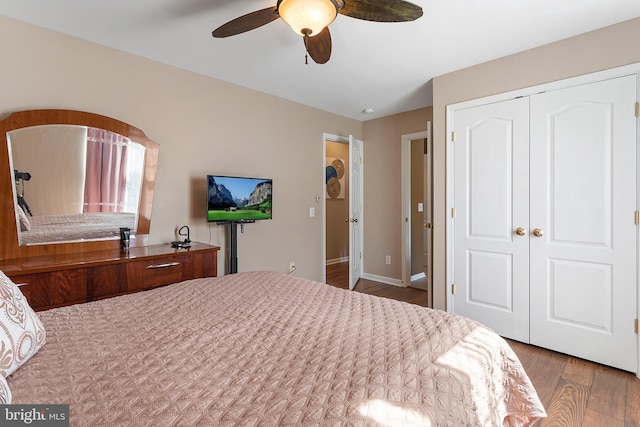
(292, 266)
(388, 259)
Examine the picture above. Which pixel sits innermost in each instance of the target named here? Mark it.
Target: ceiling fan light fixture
(308, 17)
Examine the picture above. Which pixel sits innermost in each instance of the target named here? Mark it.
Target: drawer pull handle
(21, 284)
(169, 264)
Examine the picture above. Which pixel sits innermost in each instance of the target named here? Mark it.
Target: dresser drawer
(53, 289)
(200, 264)
(154, 272)
(108, 280)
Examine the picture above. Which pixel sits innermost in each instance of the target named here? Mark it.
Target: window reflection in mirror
(74, 182)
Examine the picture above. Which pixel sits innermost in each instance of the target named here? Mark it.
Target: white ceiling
(384, 66)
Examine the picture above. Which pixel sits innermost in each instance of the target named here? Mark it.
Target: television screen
(240, 199)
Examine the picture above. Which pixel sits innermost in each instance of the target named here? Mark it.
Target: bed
(270, 349)
(84, 226)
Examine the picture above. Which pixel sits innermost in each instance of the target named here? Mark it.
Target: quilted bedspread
(269, 349)
(89, 226)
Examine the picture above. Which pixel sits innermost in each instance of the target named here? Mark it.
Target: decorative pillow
(25, 225)
(5, 393)
(21, 331)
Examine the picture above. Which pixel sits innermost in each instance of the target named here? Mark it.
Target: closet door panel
(491, 187)
(583, 199)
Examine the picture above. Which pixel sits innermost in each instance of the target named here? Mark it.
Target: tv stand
(233, 244)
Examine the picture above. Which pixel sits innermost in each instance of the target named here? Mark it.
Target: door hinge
(453, 136)
(636, 218)
(635, 326)
(637, 108)
(453, 289)
(453, 212)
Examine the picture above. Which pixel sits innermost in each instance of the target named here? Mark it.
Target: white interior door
(355, 210)
(491, 199)
(583, 200)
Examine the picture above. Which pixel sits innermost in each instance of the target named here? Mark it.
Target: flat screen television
(238, 199)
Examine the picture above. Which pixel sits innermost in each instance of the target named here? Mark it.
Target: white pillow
(23, 219)
(5, 392)
(21, 331)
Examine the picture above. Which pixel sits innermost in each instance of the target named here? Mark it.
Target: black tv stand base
(233, 243)
(233, 248)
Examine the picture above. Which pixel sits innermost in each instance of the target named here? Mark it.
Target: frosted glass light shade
(308, 16)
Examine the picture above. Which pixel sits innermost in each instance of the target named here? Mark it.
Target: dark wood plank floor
(575, 392)
(338, 275)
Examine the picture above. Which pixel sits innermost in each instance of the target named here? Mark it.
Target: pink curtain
(106, 172)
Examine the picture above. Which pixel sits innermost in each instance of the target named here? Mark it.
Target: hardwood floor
(575, 392)
(338, 276)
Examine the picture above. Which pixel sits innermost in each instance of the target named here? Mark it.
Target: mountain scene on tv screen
(234, 199)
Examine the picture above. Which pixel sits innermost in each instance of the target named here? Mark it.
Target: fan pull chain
(306, 52)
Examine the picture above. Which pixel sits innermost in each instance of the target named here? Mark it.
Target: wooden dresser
(64, 279)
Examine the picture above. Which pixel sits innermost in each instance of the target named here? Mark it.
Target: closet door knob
(520, 231)
(538, 232)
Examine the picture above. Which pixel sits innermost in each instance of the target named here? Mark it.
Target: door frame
(633, 69)
(406, 204)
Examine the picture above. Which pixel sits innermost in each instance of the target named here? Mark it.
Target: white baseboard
(382, 279)
(418, 276)
(337, 260)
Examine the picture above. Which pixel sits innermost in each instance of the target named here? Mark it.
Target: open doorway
(343, 187)
(337, 213)
(417, 211)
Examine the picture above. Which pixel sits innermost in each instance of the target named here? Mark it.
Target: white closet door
(491, 187)
(583, 199)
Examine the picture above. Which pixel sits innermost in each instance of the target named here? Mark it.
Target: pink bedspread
(268, 349)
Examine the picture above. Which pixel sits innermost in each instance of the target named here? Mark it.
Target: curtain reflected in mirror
(113, 172)
(74, 182)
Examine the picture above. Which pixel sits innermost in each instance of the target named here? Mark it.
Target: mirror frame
(9, 245)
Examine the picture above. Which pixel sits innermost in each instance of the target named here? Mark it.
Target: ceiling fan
(311, 19)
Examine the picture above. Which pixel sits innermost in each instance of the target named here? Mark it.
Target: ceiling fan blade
(246, 22)
(319, 46)
(381, 10)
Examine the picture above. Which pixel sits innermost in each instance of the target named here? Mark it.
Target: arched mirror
(76, 177)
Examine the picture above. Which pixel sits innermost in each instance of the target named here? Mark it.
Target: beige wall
(595, 51)
(203, 126)
(56, 161)
(338, 209)
(382, 216)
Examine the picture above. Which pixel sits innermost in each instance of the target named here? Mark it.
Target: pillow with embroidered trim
(22, 333)
(5, 392)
